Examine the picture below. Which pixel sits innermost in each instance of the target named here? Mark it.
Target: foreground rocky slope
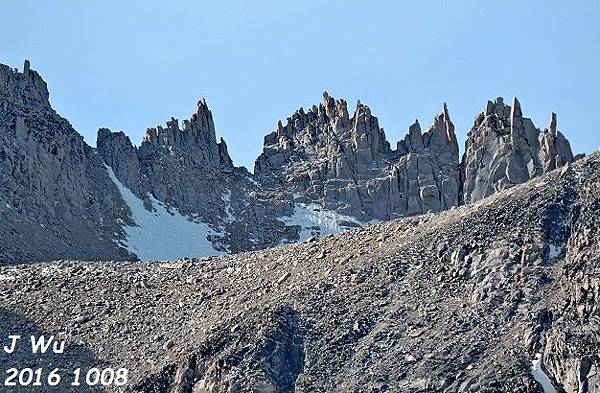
(458, 301)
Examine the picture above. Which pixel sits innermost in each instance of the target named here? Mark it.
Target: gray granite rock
(188, 170)
(57, 189)
(346, 164)
(56, 199)
(504, 148)
(459, 301)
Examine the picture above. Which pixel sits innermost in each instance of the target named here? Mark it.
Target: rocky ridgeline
(187, 169)
(136, 167)
(346, 164)
(322, 157)
(55, 198)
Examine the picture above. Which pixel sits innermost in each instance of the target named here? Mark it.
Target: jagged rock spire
(25, 88)
(441, 139)
(448, 123)
(369, 139)
(552, 126)
(516, 116)
(414, 139)
(196, 137)
(516, 109)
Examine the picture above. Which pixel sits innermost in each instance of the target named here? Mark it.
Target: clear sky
(129, 65)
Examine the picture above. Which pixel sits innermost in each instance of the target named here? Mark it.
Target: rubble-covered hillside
(496, 296)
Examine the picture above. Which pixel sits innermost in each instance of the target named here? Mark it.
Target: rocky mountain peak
(516, 112)
(505, 148)
(552, 126)
(439, 138)
(413, 140)
(196, 137)
(321, 165)
(368, 139)
(323, 132)
(497, 107)
(201, 121)
(192, 143)
(347, 165)
(53, 186)
(23, 90)
(336, 110)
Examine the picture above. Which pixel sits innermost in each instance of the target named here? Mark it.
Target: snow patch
(314, 221)
(162, 234)
(538, 372)
(226, 198)
(555, 251)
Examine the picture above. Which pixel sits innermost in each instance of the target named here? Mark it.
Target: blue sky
(129, 65)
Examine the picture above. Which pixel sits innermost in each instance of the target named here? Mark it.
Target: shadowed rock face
(74, 355)
(56, 199)
(187, 169)
(271, 361)
(504, 148)
(144, 169)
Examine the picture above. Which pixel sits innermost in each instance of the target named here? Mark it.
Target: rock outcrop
(346, 164)
(504, 148)
(185, 168)
(56, 199)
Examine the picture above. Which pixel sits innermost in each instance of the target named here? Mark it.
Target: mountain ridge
(321, 172)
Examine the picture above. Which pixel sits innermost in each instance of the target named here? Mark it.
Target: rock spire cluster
(322, 170)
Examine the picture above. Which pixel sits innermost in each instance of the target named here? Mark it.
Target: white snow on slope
(314, 221)
(162, 234)
(540, 376)
(538, 372)
(555, 251)
(226, 198)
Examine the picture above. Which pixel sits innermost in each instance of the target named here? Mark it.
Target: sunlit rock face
(323, 171)
(346, 164)
(504, 148)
